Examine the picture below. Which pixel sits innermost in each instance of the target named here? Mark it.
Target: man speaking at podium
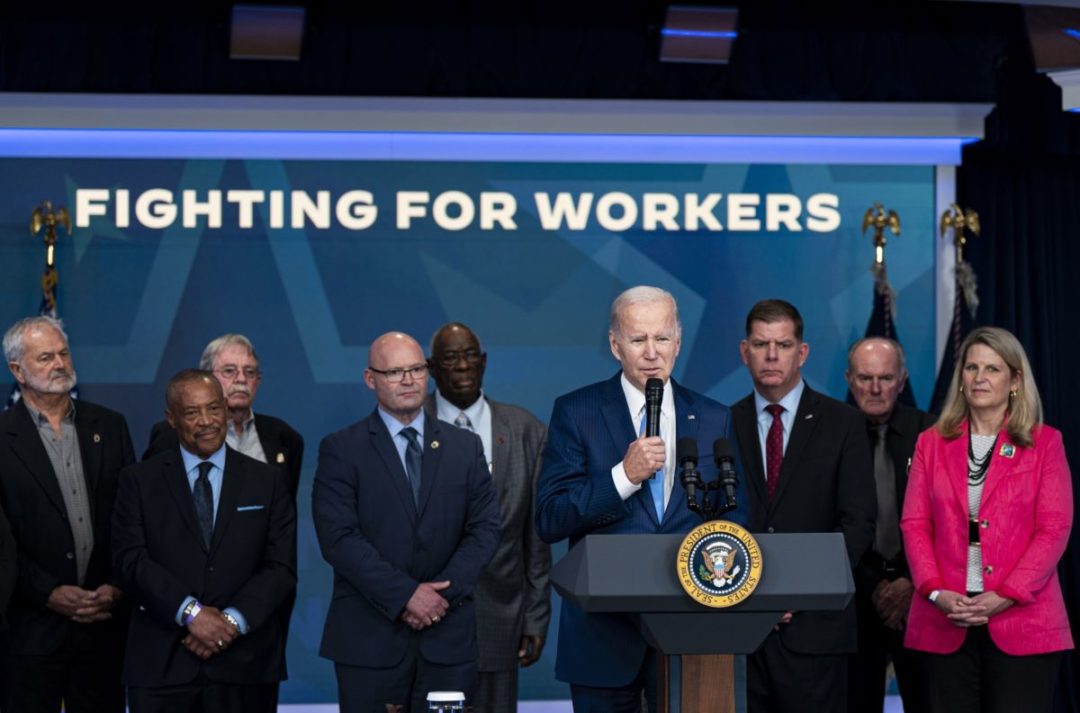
(603, 475)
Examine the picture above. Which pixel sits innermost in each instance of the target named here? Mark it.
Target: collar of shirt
(479, 415)
(635, 400)
(41, 419)
(249, 420)
(448, 412)
(790, 402)
(401, 443)
(191, 462)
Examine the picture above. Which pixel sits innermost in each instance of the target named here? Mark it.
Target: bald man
(406, 514)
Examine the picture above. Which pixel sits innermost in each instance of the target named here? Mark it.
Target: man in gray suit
(512, 597)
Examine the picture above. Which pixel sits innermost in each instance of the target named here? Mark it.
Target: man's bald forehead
(392, 341)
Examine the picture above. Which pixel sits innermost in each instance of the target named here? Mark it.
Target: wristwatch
(934, 595)
(190, 612)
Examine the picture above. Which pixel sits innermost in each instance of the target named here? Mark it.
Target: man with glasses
(406, 514)
(232, 359)
(513, 603)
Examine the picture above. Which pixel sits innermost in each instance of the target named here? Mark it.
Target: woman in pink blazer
(986, 518)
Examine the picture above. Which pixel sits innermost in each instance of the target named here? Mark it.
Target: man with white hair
(60, 463)
(233, 361)
(602, 474)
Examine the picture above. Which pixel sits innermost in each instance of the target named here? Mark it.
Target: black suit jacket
(31, 499)
(160, 559)
(284, 447)
(826, 485)
(905, 425)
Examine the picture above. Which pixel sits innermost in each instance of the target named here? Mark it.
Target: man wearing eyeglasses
(232, 359)
(406, 514)
(513, 602)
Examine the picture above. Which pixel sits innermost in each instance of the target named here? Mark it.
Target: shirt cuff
(623, 486)
(183, 605)
(244, 628)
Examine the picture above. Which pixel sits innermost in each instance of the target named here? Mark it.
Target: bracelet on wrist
(934, 595)
(232, 620)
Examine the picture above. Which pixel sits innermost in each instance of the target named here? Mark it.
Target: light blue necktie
(656, 485)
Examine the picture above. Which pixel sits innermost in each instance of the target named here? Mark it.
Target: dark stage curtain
(1024, 180)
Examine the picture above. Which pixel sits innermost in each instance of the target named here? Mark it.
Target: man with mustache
(232, 359)
(60, 463)
(513, 597)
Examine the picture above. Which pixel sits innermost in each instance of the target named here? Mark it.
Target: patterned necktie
(413, 457)
(774, 449)
(462, 421)
(887, 535)
(656, 484)
(204, 502)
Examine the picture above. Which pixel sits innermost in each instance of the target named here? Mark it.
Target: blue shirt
(401, 442)
(790, 402)
(216, 475)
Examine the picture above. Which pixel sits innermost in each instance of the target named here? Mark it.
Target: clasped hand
(426, 606)
(964, 611)
(209, 633)
(84, 606)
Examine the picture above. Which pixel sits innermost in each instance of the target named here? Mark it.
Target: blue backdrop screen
(312, 259)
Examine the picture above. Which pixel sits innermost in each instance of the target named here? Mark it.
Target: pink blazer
(1024, 521)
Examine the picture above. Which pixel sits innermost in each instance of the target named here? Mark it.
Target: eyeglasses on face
(395, 376)
(471, 356)
(231, 372)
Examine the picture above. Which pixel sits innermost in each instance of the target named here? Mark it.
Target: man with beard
(232, 359)
(60, 463)
(513, 597)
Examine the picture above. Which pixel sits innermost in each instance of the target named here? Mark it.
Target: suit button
(210, 569)
(770, 529)
(70, 555)
(989, 569)
(984, 524)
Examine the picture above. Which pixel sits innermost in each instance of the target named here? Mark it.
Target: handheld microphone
(654, 396)
(686, 454)
(724, 456)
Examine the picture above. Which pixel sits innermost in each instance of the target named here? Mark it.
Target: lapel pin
(1007, 450)
(808, 417)
(501, 440)
(280, 457)
(434, 444)
(97, 438)
(691, 417)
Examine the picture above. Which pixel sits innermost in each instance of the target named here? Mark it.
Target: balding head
(457, 363)
(876, 376)
(397, 373)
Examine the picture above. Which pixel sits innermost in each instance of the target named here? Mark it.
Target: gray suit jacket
(513, 596)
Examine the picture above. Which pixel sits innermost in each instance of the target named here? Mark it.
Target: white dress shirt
(479, 415)
(635, 402)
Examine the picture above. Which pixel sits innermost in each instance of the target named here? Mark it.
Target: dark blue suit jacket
(589, 433)
(382, 546)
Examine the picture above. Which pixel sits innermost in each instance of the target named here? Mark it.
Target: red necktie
(774, 449)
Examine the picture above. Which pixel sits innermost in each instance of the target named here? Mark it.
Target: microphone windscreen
(722, 450)
(686, 450)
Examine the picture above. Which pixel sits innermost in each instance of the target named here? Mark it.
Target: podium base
(699, 684)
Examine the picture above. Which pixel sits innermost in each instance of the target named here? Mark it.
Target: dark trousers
(980, 678)
(496, 692)
(621, 699)
(84, 682)
(374, 690)
(866, 670)
(782, 681)
(202, 696)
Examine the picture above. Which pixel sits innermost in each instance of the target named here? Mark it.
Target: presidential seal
(719, 564)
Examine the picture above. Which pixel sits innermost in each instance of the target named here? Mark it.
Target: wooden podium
(807, 572)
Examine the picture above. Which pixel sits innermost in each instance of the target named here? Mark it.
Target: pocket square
(245, 508)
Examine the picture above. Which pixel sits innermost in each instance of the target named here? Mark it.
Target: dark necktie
(413, 457)
(887, 535)
(204, 502)
(462, 421)
(774, 449)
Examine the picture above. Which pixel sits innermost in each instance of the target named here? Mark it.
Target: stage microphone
(724, 456)
(686, 454)
(654, 396)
